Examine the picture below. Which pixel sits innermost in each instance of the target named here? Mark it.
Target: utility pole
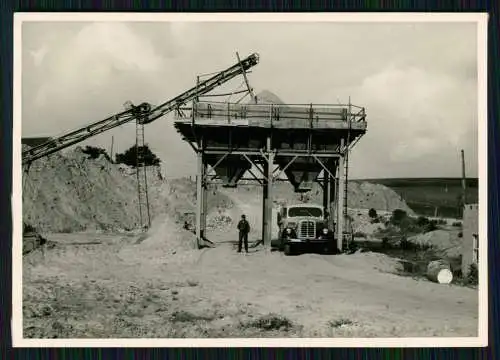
(464, 199)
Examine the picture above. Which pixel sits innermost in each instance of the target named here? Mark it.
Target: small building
(470, 241)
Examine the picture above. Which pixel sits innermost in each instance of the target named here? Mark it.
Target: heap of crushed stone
(361, 195)
(70, 192)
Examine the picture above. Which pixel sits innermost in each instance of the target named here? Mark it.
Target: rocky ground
(119, 286)
(103, 281)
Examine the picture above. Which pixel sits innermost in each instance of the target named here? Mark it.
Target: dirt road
(112, 286)
(120, 288)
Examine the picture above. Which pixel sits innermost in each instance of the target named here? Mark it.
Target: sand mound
(165, 243)
(376, 261)
(71, 192)
(362, 223)
(268, 97)
(361, 195)
(167, 236)
(365, 195)
(446, 241)
(182, 196)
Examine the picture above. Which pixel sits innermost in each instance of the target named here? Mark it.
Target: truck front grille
(307, 229)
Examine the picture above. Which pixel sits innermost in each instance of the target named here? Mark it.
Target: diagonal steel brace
(323, 166)
(217, 163)
(286, 167)
(252, 163)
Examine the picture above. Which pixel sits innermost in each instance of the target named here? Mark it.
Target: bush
(375, 220)
(422, 221)
(372, 213)
(27, 228)
(398, 216)
(129, 157)
(409, 225)
(457, 224)
(94, 152)
(404, 243)
(426, 224)
(431, 226)
(359, 234)
(472, 276)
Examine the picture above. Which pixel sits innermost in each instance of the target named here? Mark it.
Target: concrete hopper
(229, 169)
(301, 173)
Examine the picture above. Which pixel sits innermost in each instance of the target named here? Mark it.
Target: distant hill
(471, 182)
(432, 196)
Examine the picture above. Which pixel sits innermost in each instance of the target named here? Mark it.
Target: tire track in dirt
(311, 289)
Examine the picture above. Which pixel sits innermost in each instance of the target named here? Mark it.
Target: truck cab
(304, 227)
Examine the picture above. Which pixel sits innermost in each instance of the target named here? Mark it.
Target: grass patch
(187, 317)
(473, 276)
(401, 226)
(340, 323)
(269, 322)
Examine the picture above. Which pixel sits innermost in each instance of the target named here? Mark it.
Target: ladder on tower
(142, 178)
(347, 238)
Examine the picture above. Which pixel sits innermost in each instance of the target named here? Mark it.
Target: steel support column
(326, 192)
(267, 201)
(265, 195)
(340, 201)
(270, 197)
(199, 194)
(332, 219)
(204, 204)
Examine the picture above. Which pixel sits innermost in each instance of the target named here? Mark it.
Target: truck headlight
(325, 231)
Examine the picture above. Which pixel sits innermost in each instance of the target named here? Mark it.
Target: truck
(304, 227)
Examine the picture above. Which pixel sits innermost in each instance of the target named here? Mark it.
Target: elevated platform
(249, 124)
(233, 134)
(299, 141)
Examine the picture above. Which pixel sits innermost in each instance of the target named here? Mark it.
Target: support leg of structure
(332, 203)
(199, 197)
(269, 208)
(326, 192)
(340, 204)
(204, 203)
(265, 194)
(267, 201)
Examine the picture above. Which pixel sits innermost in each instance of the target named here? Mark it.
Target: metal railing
(275, 112)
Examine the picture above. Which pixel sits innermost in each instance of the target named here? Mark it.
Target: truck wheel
(288, 249)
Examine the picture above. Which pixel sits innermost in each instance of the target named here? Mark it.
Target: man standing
(244, 229)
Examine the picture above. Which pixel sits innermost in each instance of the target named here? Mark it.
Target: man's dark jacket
(244, 226)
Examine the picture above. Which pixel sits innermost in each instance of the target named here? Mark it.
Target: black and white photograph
(250, 180)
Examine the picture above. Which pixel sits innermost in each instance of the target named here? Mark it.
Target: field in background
(432, 196)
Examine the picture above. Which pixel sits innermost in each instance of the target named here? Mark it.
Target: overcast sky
(417, 81)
